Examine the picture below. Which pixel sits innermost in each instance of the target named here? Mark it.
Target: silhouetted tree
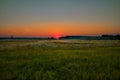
(11, 37)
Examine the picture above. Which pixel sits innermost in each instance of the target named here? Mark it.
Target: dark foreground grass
(60, 60)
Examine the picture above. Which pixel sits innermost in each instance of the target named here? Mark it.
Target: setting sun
(56, 36)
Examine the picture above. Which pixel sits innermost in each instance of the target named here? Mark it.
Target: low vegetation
(60, 60)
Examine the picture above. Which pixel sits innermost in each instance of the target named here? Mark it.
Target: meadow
(59, 59)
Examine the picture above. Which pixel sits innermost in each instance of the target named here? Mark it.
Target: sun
(56, 36)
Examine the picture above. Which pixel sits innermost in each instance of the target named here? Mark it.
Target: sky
(59, 17)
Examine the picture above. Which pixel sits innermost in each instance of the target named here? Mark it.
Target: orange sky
(58, 29)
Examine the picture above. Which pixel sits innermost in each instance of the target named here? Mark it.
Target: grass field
(60, 60)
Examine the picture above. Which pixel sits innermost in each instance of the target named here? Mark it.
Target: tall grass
(60, 60)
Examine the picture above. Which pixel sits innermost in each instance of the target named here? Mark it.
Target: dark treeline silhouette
(102, 37)
(112, 36)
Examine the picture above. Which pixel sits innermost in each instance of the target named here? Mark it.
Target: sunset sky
(59, 17)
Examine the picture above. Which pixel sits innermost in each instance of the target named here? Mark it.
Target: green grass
(60, 60)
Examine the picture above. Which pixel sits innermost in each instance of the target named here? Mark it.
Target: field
(59, 59)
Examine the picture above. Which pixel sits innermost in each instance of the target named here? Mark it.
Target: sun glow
(56, 36)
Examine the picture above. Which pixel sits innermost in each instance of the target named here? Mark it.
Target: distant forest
(102, 37)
